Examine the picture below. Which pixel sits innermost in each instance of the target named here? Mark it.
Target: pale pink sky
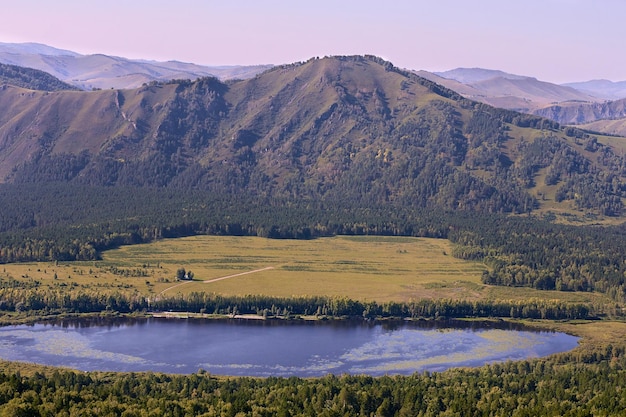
(553, 40)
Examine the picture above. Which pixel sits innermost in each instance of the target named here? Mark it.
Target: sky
(553, 40)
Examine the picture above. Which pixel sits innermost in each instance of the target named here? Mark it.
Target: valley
(332, 190)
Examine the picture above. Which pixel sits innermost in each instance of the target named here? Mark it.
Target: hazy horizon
(558, 41)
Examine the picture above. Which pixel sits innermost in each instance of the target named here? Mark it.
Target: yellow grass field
(358, 267)
(363, 268)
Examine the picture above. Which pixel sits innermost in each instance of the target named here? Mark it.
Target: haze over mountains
(596, 105)
(592, 90)
(102, 71)
(601, 88)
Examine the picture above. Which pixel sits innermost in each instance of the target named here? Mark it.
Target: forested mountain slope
(353, 128)
(31, 79)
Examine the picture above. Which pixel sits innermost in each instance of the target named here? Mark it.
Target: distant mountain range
(509, 91)
(476, 75)
(595, 89)
(575, 103)
(104, 72)
(601, 88)
(335, 129)
(576, 113)
(596, 105)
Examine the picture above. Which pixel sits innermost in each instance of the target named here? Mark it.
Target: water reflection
(273, 347)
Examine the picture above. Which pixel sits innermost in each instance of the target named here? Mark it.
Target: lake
(274, 348)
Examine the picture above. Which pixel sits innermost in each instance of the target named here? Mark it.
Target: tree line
(36, 301)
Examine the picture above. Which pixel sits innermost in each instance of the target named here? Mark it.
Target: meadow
(372, 268)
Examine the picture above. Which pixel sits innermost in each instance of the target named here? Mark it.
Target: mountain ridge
(584, 103)
(104, 71)
(509, 91)
(31, 79)
(605, 89)
(341, 128)
(35, 48)
(474, 75)
(575, 113)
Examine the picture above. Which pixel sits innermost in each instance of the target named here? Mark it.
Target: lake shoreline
(303, 348)
(529, 324)
(592, 333)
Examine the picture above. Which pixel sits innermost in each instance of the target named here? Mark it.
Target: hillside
(580, 104)
(475, 75)
(605, 89)
(102, 71)
(611, 127)
(31, 79)
(343, 128)
(508, 91)
(529, 89)
(33, 48)
(465, 90)
(581, 113)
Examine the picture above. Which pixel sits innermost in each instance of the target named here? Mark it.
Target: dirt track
(238, 275)
(218, 279)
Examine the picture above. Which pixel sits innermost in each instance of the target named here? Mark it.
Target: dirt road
(217, 279)
(238, 275)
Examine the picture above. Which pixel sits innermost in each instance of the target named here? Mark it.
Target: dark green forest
(33, 302)
(71, 222)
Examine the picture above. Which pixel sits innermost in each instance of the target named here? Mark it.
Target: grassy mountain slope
(574, 103)
(611, 127)
(33, 123)
(343, 128)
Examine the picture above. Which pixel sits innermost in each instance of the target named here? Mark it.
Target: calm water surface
(271, 348)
